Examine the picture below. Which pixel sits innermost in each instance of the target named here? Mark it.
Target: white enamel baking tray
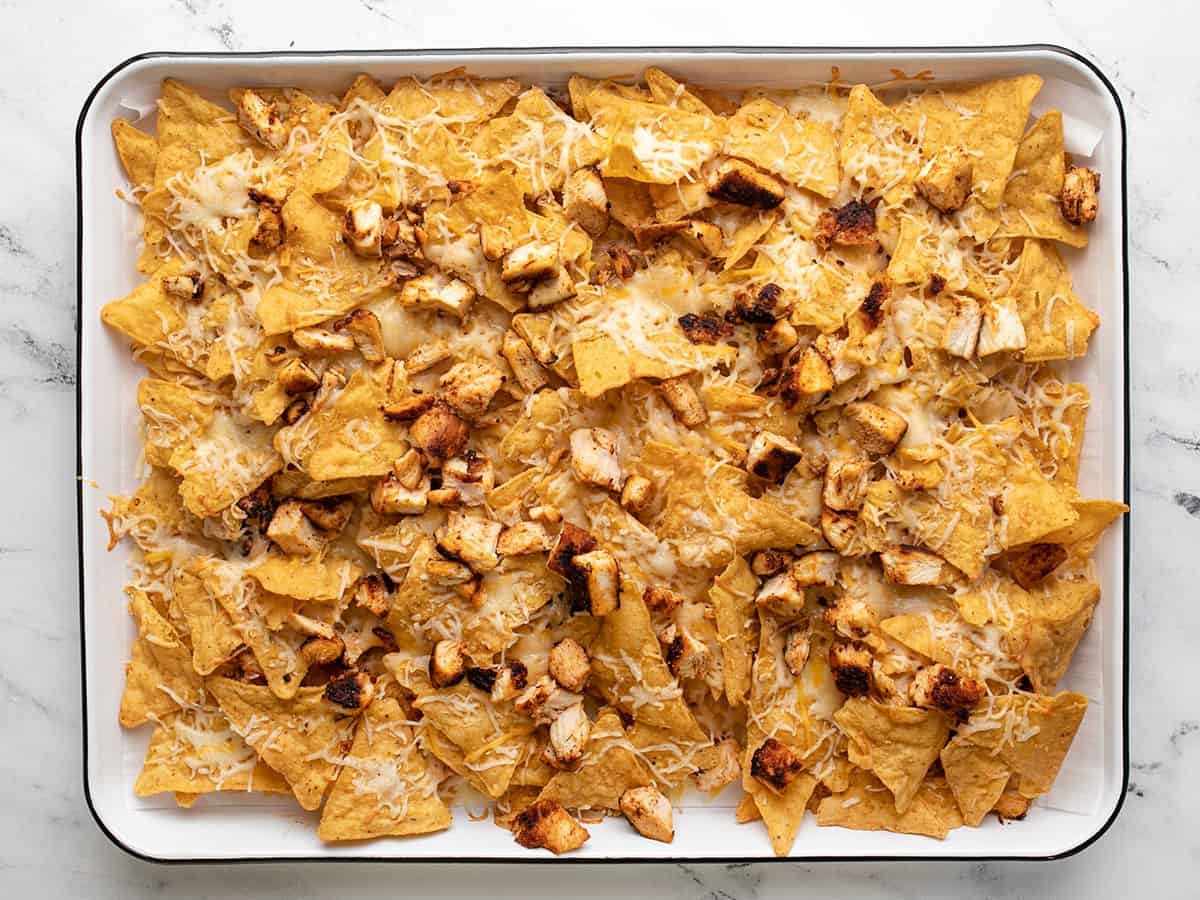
(1092, 784)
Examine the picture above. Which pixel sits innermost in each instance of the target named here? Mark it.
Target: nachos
(588, 448)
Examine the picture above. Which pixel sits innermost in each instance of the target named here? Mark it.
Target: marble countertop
(50, 56)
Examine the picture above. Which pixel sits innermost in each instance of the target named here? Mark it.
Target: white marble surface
(51, 53)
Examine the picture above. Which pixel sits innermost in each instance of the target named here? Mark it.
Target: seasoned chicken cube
(1002, 328)
(363, 326)
(687, 657)
(183, 287)
(903, 564)
(851, 664)
(318, 340)
(407, 409)
(554, 288)
(845, 483)
(409, 468)
(470, 539)
(734, 181)
(535, 329)
(447, 663)
(310, 626)
(765, 305)
(507, 681)
(962, 329)
(261, 120)
(520, 358)
(546, 824)
(636, 494)
(585, 201)
(470, 469)
(945, 179)
(774, 765)
(649, 812)
(391, 498)
(438, 433)
(797, 648)
(523, 538)
(819, 568)
(293, 532)
(661, 600)
(779, 338)
(439, 292)
(940, 687)
(876, 429)
(685, 403)
(352, 691)
(1080, 199)
(544, 701)
(781, 596)
(851, 616)
(297, 378)
(330, 515)
(572, 541)
(371, 594)
(529, 262)
(1031, 564)
(470, 386)
(852, 225)
(427, 355)
(600, 581)
(725, 769)
(295, 411)
(833, 351)
(569, 734)
(705, 236)
(805, 383)
(772, 456)
(363, 227)
(705, 328)
(594, 457)
(268, 229)
(838, 528)
(770, 562)
(401, 240)
(570, 665)
(318, 651)
(543, 512)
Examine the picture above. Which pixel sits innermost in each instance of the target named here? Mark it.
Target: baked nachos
(582, 449)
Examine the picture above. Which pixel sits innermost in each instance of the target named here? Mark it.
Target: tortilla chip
(1057, 324)
(782, 813)
(149, 317)
(867, 806)
(225, 463)
(898, 744)
(802, 151)
(493, 737)
(1050, 627)
(423, 604)
(732, 599)
(327, 168)
(1033, 507)
(987, 119)
(1084, 534)
(878, 152)
(1031, 198)
(608, 770)
(301, 738)
(194, 751)
(510, 594)
(210, 629)
(308, 578)
(385, 788)
(455, 98)
(976, 777)
(650, 142)
(159, 676)
(629, 671)
(137, 150)
(747, 810)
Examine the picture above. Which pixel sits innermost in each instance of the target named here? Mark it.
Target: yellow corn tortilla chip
(898, 744)
(312, 292)
(386, 787)
(212, 633)
(455, 99)
(1081, 537)
(1031, 205)
(782, 813)
(629, 671)
(137, 150)
(173, 414)
(423, 604)
(867, 806)
(669, 92)
(493, 737)
(308, 578)
(301, 738)
(230, 459)
(159, 675)
(511, 594)
(802, 151)
(497, 205)
(1057, 324)
(986, 119)
(609, 768)
(1033, 507)
(877, 151)
(194, 751)
(1050, 627)
(977, 778)
(327, 169)
(348, 437)
(732, 598)
(150, 318)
